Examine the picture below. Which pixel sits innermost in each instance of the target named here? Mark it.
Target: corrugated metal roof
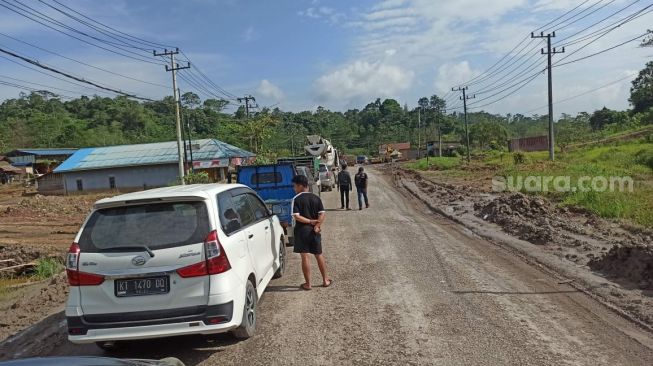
(44, 152)
(146, 154)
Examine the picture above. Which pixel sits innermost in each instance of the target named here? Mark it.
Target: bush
(47, 268)
(519, 158)
(645, 157)
(197, 178)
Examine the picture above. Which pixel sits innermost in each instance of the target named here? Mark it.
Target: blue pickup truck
(273, 183)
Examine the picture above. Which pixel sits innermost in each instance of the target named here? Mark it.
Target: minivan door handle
(267, 227)
(251, 236)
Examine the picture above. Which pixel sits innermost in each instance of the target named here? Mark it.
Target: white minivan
(172, 261)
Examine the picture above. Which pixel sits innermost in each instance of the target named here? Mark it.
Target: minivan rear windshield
(155, 225)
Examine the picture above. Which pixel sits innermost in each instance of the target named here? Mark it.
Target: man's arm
(304, 220)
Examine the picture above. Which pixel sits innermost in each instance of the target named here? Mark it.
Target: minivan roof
(192, 190)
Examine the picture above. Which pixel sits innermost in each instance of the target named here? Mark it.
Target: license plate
(143, 286)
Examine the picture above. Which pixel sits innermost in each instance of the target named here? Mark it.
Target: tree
(604, 117)
(190, 100)
(641, 93)
(390, 107)
(423, 102)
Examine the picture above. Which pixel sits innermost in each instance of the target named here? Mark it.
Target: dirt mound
(49, 206)
(520, 215)
(25, 253)
(631, 263)
(34, 303)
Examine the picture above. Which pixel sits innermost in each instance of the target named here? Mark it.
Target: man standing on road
(344, 186)
(309, 215)
(360, 179)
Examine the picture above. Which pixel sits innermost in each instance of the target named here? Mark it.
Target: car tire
(247, 327)
(109, 346)
(282, 261)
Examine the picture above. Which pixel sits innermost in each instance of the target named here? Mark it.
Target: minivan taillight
(216, 260)
(75, 277)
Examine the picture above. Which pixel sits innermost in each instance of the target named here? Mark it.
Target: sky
(339, 54)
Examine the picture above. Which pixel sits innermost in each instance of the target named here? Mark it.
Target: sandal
(329, 284)
(305, 287)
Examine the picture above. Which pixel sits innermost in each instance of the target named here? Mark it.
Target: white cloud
(362, 80)
(250, 34)
(450, 74)
(270, 91)
(326, 13)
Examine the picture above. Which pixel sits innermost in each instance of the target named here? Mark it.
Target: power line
(584, 93)
(609, 28)
(604, 50)
(33, 83)
(84, 63)
(586, 15)
(38, 64)
(53, 76)
(509, 94)
(140, 58)
(145, 42)
(97, 29)
(560, 42)
(23, 87)
(474, 80)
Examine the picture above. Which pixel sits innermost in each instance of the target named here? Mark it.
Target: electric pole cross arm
(246, 99)
(174, 67)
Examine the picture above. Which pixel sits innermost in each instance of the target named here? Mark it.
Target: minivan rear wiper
(129, 248)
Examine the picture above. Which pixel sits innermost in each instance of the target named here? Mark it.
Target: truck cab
(273, 183)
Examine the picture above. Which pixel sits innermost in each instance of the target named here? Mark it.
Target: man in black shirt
(361, 188)
(309, 215)
(344, 186)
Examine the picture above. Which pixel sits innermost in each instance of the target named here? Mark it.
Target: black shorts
(307, 241)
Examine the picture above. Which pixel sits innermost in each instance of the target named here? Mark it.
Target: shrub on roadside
(47, 268)
(519, 158)
(645, 157)
(197, 178)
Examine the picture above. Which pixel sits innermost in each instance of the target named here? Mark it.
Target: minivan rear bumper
(151, 324)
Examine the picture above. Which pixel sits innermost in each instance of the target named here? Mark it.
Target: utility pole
(246, 99)
(185, 129)
(440, 132)
(173, 68)
(419, 131)
(549, 53)
(464, 99)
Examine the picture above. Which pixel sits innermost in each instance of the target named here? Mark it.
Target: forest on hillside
(42, 119)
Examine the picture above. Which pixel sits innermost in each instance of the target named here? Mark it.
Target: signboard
(206, 164)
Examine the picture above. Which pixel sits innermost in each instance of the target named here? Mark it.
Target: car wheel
(247, 326)
(109, 346)
(282, 261)
(171, 361)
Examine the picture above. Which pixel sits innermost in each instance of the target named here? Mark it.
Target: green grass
(438, 163)
(616, 159)
(47, 268)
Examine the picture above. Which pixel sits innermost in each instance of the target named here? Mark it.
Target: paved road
(411, 288)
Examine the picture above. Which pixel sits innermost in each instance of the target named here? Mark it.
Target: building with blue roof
(143, 166)
(38, 160)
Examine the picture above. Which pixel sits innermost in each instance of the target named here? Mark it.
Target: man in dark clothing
(361, 188)
(344, 186)
(309, 215)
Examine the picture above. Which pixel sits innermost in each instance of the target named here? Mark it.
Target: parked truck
(273, 183)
